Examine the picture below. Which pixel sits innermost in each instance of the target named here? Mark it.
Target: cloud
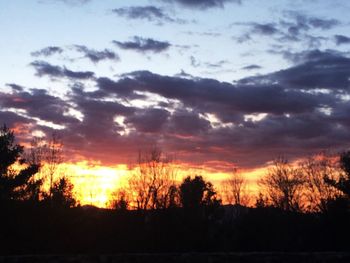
(194, 62)
(142, 45)
(45, 69)
(264, 29)
(217, 64)
(149, 120)
(220, 98)
(39, 104)
(293, 27)
(341, 40)
(47, 51)
(12, 119)
(149, 13)
(295, 22)
(295, 111)
(15, 87)
(188, 124)
(203, 4)
(251, 67)
(95, 55)
(318, 69)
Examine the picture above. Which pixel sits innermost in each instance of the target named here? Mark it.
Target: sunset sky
(217, 83)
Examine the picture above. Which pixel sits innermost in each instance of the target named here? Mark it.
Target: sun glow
(95, 183)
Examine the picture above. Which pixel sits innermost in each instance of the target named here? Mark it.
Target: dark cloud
(340, 39)
(323, 73)
(294, 124)
(248, 122)
(312, 55)
(188, 124)
(12, 119)
(95, 55)
(149, 120)
(149, 13)
(184, 74)
(223, 99)
(319, 69)
(38, 103)
(203, 4)
(260, 29)
(252, 67)
(320, 23)
(270, 30)
(45, 69)
(99, 135)
(141, 44)
(299, 22)
(15, 87)
(264, 29)
(47, 51)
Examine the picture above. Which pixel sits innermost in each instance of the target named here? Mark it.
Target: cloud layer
(298, 110)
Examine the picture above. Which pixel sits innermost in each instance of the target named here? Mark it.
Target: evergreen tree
(14, 182)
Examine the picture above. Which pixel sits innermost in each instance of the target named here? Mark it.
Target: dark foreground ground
(185, 258)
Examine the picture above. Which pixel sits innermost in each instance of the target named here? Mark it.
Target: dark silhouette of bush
(196, 192)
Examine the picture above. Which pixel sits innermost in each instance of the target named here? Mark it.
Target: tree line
(307, 186)
(300, 206)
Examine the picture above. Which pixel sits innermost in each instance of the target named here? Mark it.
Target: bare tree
(317, 170)
(235, 189)
(47, 153)
(53, 158)
(283, 185)
(153, 180)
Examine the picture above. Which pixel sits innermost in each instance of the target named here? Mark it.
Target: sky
(218, 83)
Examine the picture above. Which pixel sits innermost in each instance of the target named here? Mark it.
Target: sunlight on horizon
(95, 183)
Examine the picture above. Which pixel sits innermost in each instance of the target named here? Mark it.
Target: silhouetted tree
(261, 201)
(153, 180)
(62, 195)
(316, 170)
(343, 183)
(120, 200)
(14, 182)
(47, 152)
(196, 192)
(283, 185)
(235, 189)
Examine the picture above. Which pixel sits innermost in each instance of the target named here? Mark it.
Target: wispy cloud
(143, 45)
